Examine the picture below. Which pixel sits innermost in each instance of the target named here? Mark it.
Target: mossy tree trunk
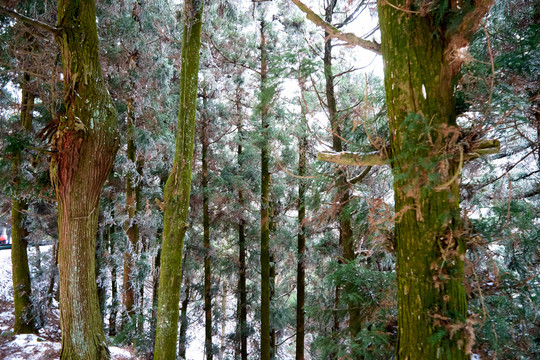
(420, 69)
(177, 189)
(265, 201)
(24, 319)
(84, 145)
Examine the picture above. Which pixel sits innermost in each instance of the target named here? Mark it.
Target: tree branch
(29, 21)
(349, 38)
(352, 158)
(482, 147)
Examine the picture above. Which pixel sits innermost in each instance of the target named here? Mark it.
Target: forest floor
(44, 346)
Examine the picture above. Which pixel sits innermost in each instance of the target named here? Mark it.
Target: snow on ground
(6, 286)
(47, 344)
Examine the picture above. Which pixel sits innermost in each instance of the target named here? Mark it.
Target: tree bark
(242, 302)
(184, 323)
(206, 233)
(419, 82)
(301, 237)
(133, 203)
(24, 319)
(84, 146)
(265, 203)
(177, 189)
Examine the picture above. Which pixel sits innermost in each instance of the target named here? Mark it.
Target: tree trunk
(133, 194)
(265, 204)
(114, 290)
(53, 270)
(184, 323)
(301, 237)
(84, 146)
(24, 319)
(420, 69)
(242, 303)
(206, 234)
(346, 239)
(222, 346)
(178, 187)
(100, 268)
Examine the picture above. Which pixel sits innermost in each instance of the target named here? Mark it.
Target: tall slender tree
(205, 142)
(265, 199)
(301, 237)
(178, 187)
(24, 320)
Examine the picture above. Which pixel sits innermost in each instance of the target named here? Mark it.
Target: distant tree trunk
(155, 285)
(184, 322)
(265, 203)
(24, 319)
(273, 331)
(419, 52)
(101, 265)
(53, 270)
(85, 146)
(206, 233)
(133, 195)
(346, 239)
(222, 346)
(301, 237)
(242, 302)
(114, 289)
(178, 187)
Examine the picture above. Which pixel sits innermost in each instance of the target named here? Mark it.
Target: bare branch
(29, 21)
(349, 38)
(353, 158)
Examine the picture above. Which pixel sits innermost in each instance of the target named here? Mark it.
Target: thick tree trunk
(420, 67)
(265, 204)
(301, 237)
(24, 319)
(85, 145)
(178, 187)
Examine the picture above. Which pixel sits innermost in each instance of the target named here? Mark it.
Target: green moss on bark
(177, 189)
(84, 145)
(430, 252)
